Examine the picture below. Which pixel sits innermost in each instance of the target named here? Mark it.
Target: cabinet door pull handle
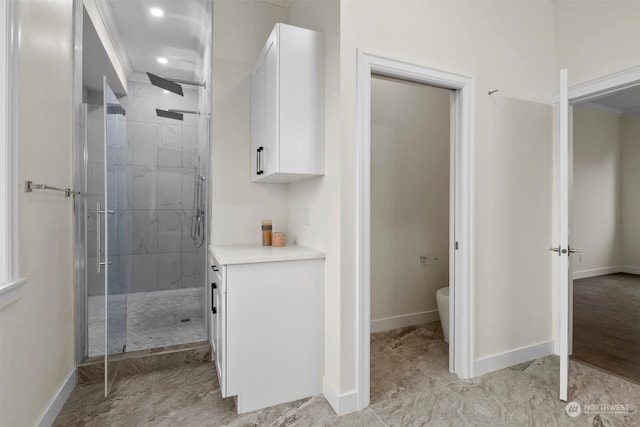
(257, 161)
(215, 268)
(260, 150)
(213, 309)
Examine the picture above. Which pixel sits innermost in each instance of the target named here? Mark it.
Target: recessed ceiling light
(156, 12)
(165, 91)
(162, 60)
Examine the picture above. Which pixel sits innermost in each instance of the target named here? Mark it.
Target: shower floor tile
(154, 319)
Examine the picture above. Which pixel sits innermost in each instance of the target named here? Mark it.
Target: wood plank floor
(606, 323)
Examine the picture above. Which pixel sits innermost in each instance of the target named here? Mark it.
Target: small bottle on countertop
(266, 232)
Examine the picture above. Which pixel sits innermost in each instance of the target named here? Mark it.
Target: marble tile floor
(410, 386)
(154, 319)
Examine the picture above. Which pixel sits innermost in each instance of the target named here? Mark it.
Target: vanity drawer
(218, 275)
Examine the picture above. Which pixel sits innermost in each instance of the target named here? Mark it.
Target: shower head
(175, 114)
(169, 114)
(165, 84)
(173, 85)
(116, 109)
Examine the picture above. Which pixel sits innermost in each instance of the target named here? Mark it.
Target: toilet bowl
(442, 299)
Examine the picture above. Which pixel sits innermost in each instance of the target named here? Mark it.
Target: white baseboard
(387, 323)
(583, 274)
(341, 403)
(58, 400)
(630, 269)
(492, 363)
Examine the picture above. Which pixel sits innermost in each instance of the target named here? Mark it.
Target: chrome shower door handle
(98, 243)
(99, 212)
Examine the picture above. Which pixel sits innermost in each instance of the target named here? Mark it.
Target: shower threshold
(142, 361)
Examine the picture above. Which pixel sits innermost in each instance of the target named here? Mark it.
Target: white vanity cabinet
(267, 323)
(287, 107)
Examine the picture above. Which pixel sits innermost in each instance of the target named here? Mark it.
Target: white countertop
(250, 254)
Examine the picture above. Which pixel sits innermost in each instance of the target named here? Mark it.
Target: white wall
(596, 192)
(318, 199)
(595, 38)
(505, 46)
(37, 344)
(630, 196)
(409, 201)
(239, 32)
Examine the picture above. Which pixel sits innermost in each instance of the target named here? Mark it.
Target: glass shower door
(115, 289)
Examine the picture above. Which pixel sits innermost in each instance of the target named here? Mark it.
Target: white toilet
(442, 299)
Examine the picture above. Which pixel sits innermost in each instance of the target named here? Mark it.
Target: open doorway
(460, 348)
(410, 235)
(605, 226)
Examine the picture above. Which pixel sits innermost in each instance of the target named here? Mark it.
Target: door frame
(461, 313)
(582, 92)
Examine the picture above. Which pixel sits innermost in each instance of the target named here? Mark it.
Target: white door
(563, 249)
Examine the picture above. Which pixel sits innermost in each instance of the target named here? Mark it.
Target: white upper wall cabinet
(287, 107)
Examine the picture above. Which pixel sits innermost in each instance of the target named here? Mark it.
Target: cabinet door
(274, 332)
(218, 311)
(270, 157)
(221, 344)
(213, 325)
(257, 120)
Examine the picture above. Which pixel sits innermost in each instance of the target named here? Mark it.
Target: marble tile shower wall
(154, 176)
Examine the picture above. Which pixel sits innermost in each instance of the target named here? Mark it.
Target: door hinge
(456, 246)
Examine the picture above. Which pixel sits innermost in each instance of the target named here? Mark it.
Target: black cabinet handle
(259, 160)
(215, 268)
(213, 309)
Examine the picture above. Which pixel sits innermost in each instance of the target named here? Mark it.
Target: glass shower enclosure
(140, 227)
(104, 225)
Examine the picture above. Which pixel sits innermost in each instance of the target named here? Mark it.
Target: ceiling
(180, 35)
(626, 101)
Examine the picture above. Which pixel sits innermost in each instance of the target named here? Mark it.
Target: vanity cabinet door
(218, 324)
(274, 332)
(287, 107)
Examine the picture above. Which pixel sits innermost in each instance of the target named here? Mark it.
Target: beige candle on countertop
(266, 232)
(279, 239)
